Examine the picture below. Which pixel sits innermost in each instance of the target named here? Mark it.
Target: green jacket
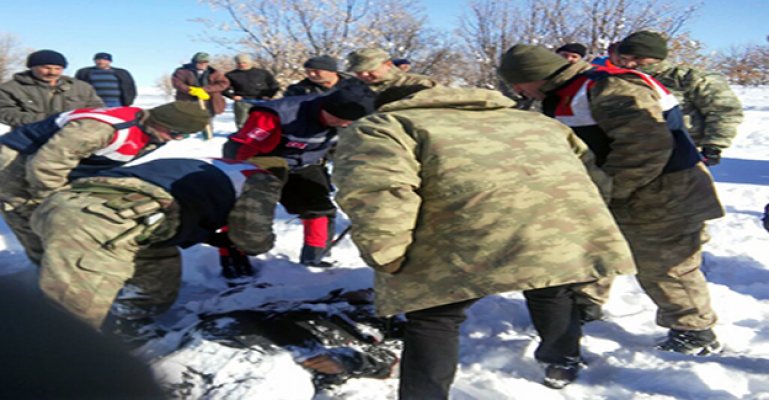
(627, 110)
(453, 195)
(25, 99)
(712, 111)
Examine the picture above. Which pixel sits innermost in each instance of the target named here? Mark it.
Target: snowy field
(498, 341)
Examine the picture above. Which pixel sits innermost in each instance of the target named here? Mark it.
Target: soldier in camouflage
(711, 110)
(375, 67)
(118, 232)
(662, 193)
(39, 158)
(453, 196)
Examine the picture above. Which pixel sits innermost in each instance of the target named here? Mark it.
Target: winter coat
(125, 81)
(253, 83)
(712, 110)
(453, 195)
(25, 99)
(628, 111)
(213, 82)
(306, 86)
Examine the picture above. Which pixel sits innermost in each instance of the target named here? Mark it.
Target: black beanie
(576, 48)
(644, 44)
(326, 63)
(526, 63)
(350, 100)
(103, 56)
(46, 57)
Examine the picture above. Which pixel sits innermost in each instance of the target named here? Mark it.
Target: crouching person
(39, 158)
(118, 232)
(454, 196)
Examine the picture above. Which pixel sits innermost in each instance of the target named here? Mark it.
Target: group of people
(453, 194)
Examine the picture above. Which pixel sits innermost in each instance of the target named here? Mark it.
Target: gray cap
(366, 59)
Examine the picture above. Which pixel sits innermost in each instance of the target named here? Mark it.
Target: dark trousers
(555, 316)
(431, 340)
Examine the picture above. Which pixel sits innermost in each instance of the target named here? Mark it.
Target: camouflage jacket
(628, 111)
(453, 195)
(712, 111)
(396, 77)
(25, 99)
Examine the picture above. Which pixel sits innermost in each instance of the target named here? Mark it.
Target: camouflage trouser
(240, 109)
(668, 257)
(84, 267)
(17, 206)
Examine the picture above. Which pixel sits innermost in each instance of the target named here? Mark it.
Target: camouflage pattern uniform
(453, 196)
(25, 180)
(660, 213)
(26, 99)
(107, 234)
(712, 112)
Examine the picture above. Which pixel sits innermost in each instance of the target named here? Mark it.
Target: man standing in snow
(42, 91)
(248, 82)
(375, 67)
(37, 159)
(198, 80)
(712, 111)
(453, 195)
(322, 75)
(115, 86)
(302, 129)
(118, 232)
(572, 52)
(662, 193)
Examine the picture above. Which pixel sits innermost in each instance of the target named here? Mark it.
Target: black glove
(711, 155)
(235, 263)
(765, 219)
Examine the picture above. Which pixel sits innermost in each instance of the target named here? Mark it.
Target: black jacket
(254, 83)
(127, 85)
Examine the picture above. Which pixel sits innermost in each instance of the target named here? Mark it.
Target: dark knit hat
(180, 116)
(644, 44)
(401, 61)
(46, 57)
(526, 63)
(576, 48)
(200, 57)
(351, 99)
(324, 62)
(103, 56)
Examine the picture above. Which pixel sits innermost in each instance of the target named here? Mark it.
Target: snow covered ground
(498, 341)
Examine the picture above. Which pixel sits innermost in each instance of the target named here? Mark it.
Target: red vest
(128, 140)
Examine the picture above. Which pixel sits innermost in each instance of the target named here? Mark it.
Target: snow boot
(312, 256)
(557, 376)
(698, 343)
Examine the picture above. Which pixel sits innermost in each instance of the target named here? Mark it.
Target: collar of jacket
(657, 68)
(565, 76)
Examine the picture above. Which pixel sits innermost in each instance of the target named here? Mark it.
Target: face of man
(201, 66)
(530, 89)
(631, 61)
(375, 75)
(321, 76)
(569, 56)
(161, 134)
(243, 65)
(102, 63)
(405, 67)
(47, 73)
(332, 121)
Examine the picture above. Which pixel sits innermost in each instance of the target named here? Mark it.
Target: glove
(711, 155)
(765, 219)
(199, 93)
(234, 263)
